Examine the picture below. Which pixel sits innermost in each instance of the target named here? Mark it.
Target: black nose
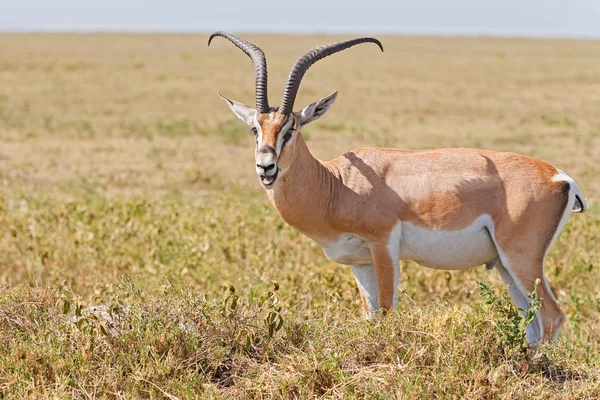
(265, 168)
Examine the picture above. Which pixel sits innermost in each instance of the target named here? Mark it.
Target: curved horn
(306, 61)
(260, 67)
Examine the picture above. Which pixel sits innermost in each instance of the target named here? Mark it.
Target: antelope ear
(317, 109)
(242, 111)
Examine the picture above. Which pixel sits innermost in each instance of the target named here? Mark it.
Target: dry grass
(117, 159)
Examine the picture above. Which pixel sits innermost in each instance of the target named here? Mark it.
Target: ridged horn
(260, 67)
(306, 61)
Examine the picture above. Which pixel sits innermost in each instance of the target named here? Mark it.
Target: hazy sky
(571, 18)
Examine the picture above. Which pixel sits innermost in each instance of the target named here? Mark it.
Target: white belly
(459, 249)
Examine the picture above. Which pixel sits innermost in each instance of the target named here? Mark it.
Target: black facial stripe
(286, 138)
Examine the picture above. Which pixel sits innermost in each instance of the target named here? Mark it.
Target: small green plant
(270, 301)
(510, 322)
(266, 307)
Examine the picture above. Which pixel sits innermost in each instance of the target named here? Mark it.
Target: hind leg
(523, 238)
(520, 275)
(534, 329)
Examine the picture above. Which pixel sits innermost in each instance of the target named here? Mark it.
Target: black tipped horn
(306, 61)
(260, 67)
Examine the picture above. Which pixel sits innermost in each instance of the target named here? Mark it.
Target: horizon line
(392, 31)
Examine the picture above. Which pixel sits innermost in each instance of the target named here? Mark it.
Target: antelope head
(275, 128)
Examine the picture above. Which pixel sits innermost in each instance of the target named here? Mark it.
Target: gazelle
(371, 207)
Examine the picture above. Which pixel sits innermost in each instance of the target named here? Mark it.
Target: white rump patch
(573, 194)
(579, 203)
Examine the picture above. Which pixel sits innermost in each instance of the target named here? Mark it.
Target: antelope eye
(255, 131)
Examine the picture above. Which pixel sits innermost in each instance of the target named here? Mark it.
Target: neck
(304, 193)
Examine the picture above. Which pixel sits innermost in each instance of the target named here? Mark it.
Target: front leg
(378, 282)
(387, 270)
(366, 279)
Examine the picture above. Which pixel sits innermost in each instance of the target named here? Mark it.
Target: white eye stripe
(258, 131)
(283, 132)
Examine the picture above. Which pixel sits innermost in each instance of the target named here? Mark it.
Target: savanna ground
(126, 182)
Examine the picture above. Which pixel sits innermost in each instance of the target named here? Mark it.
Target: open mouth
(269, 180)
